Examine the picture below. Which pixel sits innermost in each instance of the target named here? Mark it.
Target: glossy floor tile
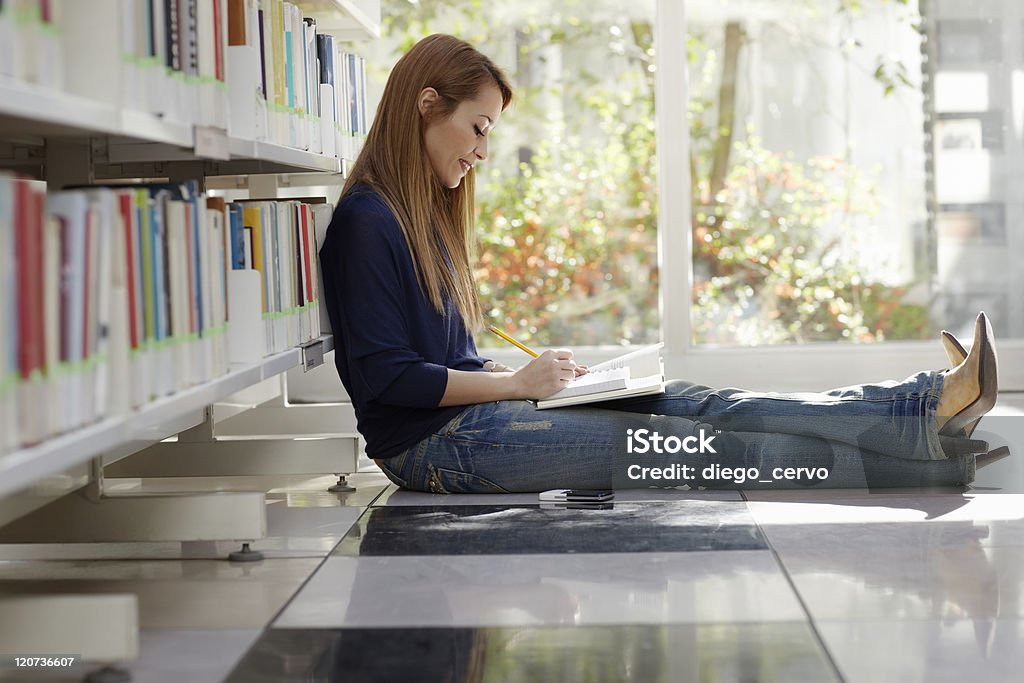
(172, 594)
(520, 590)
(871, 521)
(912, 582)
(607, 528)
(679, 653)
(194, 655)
(926, 651)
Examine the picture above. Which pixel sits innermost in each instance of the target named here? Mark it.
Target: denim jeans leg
(890, 418)
(509, 446)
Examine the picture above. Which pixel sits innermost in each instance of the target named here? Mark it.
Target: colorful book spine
(237, 228)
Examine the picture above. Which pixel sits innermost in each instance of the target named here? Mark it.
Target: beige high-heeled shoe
(970, 388)
(957, 354)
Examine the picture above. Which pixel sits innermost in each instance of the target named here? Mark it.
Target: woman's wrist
(466, 387)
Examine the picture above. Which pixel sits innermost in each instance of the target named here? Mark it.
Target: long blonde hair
(438, 222)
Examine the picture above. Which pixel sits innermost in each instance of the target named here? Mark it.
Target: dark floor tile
(499, 530)
(645, 653)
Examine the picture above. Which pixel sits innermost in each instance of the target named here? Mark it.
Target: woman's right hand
(547, 373)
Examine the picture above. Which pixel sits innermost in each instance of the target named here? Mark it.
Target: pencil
(512, 341)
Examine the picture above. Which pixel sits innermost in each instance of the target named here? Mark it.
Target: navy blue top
(393, 348)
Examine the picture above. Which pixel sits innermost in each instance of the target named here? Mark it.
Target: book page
(591, 383)
(644, 361)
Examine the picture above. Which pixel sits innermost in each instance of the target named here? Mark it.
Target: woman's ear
(425, 102)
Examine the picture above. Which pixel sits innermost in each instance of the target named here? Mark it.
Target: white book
(51, 321)
(44, 50)
(131, 92)
(8, 317)
(247, 236)
(9, 54)
(177, 256)
(273, 274)
(286, 269)
(637, 373)
(221, 38)
(92, 68)
(85, 392)
(218, 283)
(206, 38)
(158, 76)
(103, 207)
(206, 292)
(71, 209)
(321, 220)
(118, 376)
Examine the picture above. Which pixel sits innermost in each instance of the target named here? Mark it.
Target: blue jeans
(869, 435)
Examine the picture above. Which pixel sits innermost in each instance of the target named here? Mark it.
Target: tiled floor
(866, 586)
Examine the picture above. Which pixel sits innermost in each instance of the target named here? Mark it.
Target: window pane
(849, 178)
(976, 66)
(567, 198)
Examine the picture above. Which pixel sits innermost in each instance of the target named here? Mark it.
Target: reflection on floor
(917, 586)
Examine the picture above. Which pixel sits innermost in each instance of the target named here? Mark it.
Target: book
(637, 373)
(238, 29)
(9, 439)
(237, 230)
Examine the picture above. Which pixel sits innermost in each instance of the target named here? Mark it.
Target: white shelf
(282, 156)
(138, 137)
(347, 19)
(30, 109)
(129, 158)
(154, 422)
(143, 126)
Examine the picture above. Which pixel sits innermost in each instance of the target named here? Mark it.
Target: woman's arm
(543, 376)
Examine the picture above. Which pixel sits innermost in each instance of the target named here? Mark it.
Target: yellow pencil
(510, 340)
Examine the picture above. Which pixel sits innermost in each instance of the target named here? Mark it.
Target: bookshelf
(145, 123)
(155, 422)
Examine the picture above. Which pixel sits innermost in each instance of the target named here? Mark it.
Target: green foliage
(569, 244)
(776, 257)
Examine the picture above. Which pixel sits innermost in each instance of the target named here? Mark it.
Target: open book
(636, 373)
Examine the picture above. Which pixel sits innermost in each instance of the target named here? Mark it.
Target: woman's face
(455, 144)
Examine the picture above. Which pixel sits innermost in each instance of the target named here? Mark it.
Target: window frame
(790, 367)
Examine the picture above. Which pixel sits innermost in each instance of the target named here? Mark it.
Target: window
(863, 192)
(851, 169)
(567, 201)
(809, 175)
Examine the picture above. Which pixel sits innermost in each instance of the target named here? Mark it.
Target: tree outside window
(809, 192)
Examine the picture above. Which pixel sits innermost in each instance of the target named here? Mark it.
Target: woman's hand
(547, 373)
(493, 366)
